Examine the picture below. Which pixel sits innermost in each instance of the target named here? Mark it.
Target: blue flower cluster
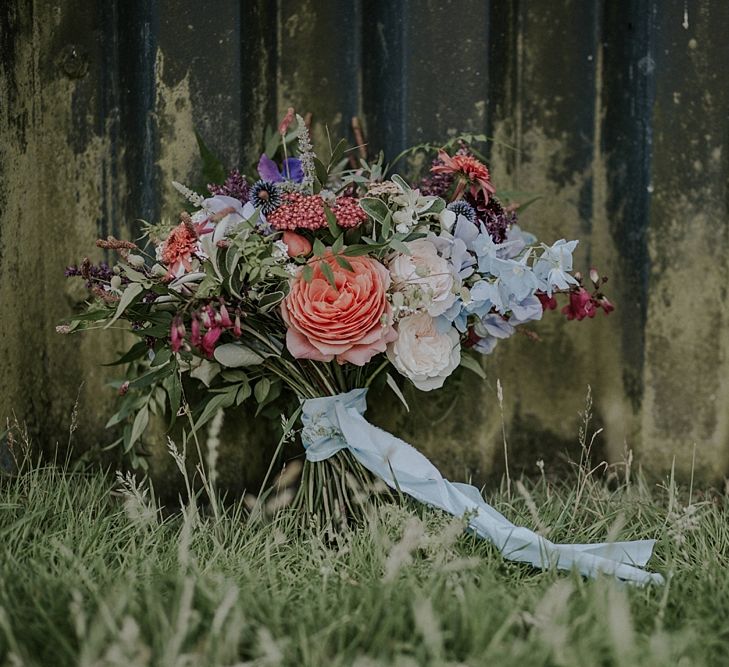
(500, 281)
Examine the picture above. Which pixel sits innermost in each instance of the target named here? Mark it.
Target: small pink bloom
(225, 320)
(287, 120)
(209, 340)
(177, 334)
(195, 335)
(350, 323)
(548, 302)
(580, 306)
(297, 245)
(606, 305)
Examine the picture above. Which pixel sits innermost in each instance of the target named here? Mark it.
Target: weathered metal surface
(616, 113)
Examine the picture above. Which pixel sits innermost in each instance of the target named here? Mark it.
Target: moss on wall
(617, 118)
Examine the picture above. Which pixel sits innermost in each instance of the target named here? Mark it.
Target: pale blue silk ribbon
(334, 423)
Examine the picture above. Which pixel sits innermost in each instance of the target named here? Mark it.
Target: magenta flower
(580, 306)
(209, 340)
(177, 334)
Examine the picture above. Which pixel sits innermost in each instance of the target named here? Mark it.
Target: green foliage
(91, 577)
(212, 170)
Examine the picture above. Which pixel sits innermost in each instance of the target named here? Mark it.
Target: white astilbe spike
(191, 196)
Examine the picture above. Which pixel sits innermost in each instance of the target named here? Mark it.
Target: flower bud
(594, 276)
(136, 261)
(296, 244)
(116, 282)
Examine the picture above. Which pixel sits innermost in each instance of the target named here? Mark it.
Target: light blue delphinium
(553, 266)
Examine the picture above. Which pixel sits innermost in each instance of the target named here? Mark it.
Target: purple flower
(235, 186)
(290, 170)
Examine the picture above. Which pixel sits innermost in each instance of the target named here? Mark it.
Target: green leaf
(326, 269)
(396, 390)
(132, 291)
(243, 393)
(334, 228)
(138, 427)
(148, 379)
(307, 273)
(398, 245)
(273, 141)
(319, 249)
(357, 250)
(217, 402)
(261, 390)
(173, 386)
(233, 355)
(387, 225)
(90, 316)
(162, 356)
(212, 168)
(234, 376)
(338, 244)
(136, 351)
(401, 182)
(467, 361)
(205, 372)
(322, 174)
(375, 208)
(343, 263)
(337, 154)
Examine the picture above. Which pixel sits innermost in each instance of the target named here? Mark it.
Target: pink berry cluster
(206, 327)
(299, 211)
(348, 212)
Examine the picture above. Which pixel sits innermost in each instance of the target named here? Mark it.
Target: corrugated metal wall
(617, 112)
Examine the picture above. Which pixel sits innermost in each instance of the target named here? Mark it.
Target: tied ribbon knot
(334, 423)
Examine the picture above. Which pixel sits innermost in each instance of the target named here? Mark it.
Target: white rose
(422, 354)
(425, 279)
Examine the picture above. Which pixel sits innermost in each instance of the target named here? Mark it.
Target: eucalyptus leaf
(261, 390)
(375, 208)
(234, 355)
(205, 372)
(138, 427)
(467, 361)
(132, 291)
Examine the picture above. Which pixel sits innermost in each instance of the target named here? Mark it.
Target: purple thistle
(235, 186)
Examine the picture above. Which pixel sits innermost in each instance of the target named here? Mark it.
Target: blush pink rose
(351, 323)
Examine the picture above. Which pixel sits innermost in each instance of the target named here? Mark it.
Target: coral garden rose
(422, 354)
(351, 323)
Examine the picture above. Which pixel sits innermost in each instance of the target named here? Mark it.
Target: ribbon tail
(404, 468)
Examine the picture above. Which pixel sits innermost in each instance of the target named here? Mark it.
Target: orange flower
(470, 173)
(178, 249)
(352, 322)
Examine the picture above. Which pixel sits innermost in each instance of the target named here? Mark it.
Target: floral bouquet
(314, 280)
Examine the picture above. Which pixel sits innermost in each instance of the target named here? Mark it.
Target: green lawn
(91, 577)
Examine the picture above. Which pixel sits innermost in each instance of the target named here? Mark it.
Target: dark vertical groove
(109, 117)
(385, 75)
(138, 21)
(258, 66)
(629, 90)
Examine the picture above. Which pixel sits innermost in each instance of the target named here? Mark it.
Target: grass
(93, 573)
